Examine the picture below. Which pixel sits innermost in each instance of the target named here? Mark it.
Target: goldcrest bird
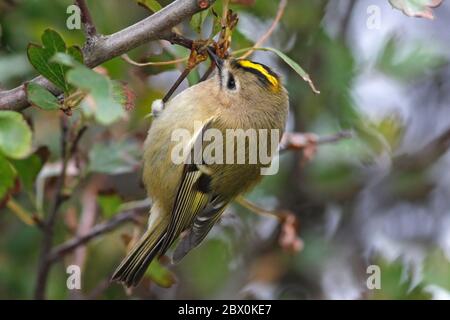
(190, 197)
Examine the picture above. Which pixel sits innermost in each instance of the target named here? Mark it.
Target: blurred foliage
(373, 199)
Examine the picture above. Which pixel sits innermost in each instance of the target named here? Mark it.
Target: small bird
(189, 198)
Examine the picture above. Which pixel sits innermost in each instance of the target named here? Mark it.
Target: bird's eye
(231, 84)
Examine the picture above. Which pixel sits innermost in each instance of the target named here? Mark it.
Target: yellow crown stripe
(248, 64)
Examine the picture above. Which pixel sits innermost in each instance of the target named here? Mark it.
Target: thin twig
(175, 38)
(335, 137)
(257, 209)
(300, 141)
(99, 229)
(225, 12)
(20, 212)
(49, 224)
(126, 58)
(67, 151)
(86, 19)
(174, 87)
(266, 35)
(77, 139)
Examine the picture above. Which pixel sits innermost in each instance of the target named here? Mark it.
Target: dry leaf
(288, 238)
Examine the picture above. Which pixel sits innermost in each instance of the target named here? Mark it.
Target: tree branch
(127, 59)
(86, 19)
(49, 224)
(99, 229)
(301, 141)
(266, 35)
(175, 38)
(104, 48)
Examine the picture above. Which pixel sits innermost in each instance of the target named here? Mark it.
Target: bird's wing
(201, 227)
(193, 193)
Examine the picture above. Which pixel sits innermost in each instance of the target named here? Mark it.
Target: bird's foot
(157, 108)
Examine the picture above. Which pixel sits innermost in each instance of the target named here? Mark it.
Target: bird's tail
(133, 266)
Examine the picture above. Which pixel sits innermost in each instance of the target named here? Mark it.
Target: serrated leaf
(101, 89)
(39, 57)
(7, 176)
(123, 95)
(151, 5)
(114, 157)
(41, 97)
(416, 8)
(15, 135)
(109, 98)
(294, 65)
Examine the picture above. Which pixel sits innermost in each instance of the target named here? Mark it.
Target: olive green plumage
(190, 198)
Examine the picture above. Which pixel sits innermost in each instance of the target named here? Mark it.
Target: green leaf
(76, 53)
(109, 97)
(159, 274)
(68, 60)
(151, 5)
(40, 56)
(198, 19)
(114, 157)
(294, 65)
(7, 176)
(109, 204)
(15, 135)
(41, 97)
(28, 169)
(416, 8)
(53, 41)
(106, 109)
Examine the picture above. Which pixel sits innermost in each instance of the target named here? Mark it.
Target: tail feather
(132, 268)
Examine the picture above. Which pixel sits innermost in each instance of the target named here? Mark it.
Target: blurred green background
(381, 198)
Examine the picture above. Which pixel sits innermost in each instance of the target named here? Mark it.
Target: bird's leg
(208, 72)
(159, 105)
(198, 55)
(157, 108)
(177, 83)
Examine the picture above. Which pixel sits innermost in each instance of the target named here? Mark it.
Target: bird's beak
(217, 61)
